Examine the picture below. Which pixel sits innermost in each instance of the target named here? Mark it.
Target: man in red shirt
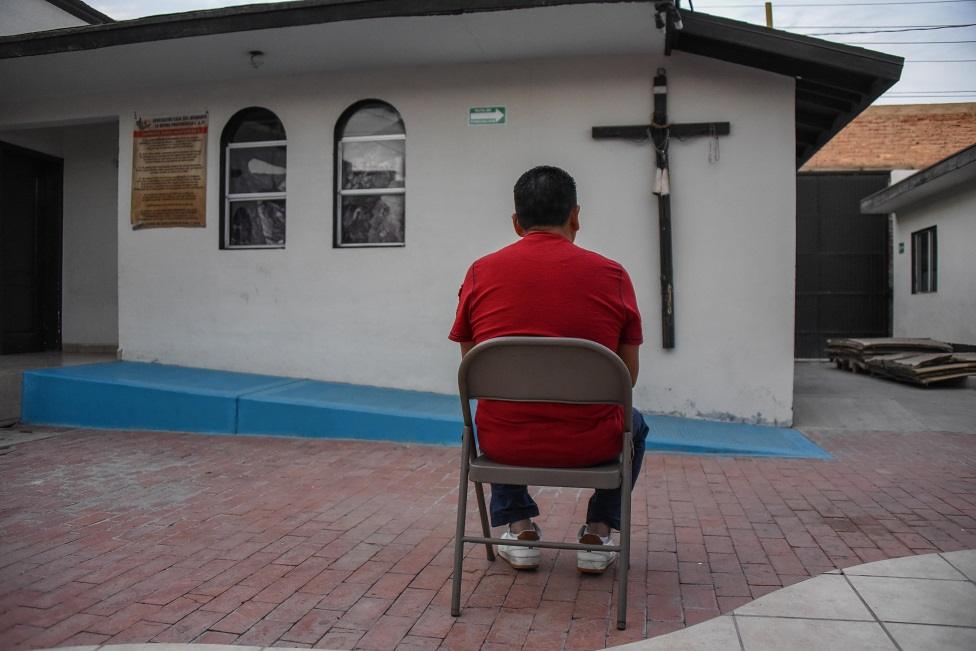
(544, 285)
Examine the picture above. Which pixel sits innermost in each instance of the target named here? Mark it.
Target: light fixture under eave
(257, 58)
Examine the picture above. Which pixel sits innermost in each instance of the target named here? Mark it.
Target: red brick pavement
(134, 537)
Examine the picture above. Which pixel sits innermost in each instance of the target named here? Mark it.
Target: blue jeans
(511, 503)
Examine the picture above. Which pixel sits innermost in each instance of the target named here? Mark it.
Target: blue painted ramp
(131, 395)
(689, 436)
(326, 409)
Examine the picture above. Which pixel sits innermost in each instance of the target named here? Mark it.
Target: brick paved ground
(132, 537)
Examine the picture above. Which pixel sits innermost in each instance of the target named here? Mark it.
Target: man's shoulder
(599, 260)
(497, 256)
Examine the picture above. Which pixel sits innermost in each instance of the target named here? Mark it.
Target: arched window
(253, 166)
(370, 176)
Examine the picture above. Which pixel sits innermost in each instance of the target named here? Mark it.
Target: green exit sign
(478, 115)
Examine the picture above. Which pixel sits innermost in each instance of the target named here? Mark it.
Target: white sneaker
(594, 562)
(521, 558)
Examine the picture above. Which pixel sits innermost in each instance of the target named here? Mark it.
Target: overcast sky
(934, 72)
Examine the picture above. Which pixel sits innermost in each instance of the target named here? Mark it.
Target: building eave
(834, 82)
(250, 18)
(947, 174)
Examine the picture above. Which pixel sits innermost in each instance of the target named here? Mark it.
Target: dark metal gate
(843, 286)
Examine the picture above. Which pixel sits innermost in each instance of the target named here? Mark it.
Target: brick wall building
(898, 137)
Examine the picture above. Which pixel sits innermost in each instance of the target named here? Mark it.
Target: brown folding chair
(543, 369)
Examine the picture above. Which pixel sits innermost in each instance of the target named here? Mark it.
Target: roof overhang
(205, 48)
(955, 171)
(252, 18)
(834, 82)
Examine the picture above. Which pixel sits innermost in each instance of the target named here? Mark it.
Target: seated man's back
(545, 286)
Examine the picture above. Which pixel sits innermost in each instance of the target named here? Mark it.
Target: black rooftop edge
(876, 202)
(81, 10)
(251, 17)
(834, 82)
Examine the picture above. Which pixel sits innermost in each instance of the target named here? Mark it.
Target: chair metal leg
(479, 491)
(623, 567)
(462, 509)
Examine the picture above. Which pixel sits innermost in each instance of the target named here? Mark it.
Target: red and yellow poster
(169, 171)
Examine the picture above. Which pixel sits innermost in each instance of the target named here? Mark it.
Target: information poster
(169, 171)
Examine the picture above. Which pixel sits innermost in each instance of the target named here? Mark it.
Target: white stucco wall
(89, 294)
(948, 314)
(24, 16)
(381, 316)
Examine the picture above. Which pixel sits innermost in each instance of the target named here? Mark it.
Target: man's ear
(574, 222)
(517, 226)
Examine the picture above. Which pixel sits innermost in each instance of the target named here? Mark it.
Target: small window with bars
(924, 261)
(370, 195)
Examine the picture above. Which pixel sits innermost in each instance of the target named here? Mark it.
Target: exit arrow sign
(487, 115)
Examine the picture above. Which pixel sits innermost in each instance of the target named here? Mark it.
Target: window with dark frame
(924, 261)
(253, 169)
(370, 184)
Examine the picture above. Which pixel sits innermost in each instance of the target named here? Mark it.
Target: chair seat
(483, 469)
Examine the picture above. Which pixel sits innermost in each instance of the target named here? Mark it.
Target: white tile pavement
(921, 637)
(919, 601)
(913, 603)
(823, 597)
(964, 561)
(779, 633)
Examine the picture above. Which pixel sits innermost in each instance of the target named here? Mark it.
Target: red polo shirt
(545, 286)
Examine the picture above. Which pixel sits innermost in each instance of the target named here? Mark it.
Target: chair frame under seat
(543, 369)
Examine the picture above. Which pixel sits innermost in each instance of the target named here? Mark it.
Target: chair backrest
(544, 369)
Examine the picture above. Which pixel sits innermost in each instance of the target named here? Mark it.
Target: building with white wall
(271, 288)
(934, 268)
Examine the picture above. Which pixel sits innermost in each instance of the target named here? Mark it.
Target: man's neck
(562, 231)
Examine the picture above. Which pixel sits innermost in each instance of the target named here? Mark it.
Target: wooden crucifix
(659, 133)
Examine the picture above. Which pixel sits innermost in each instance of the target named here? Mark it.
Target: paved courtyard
(109, 537)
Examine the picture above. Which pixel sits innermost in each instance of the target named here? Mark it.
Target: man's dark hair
(544, 196)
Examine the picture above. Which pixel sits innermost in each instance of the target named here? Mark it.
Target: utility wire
(886, 31)
(938, 26)
(899, 42)
(835, 4)
(940, 60)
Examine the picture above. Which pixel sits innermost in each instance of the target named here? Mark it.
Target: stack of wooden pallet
(919, 361)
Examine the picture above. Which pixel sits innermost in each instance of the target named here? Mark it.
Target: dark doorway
(30, 250)
(843, 285)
